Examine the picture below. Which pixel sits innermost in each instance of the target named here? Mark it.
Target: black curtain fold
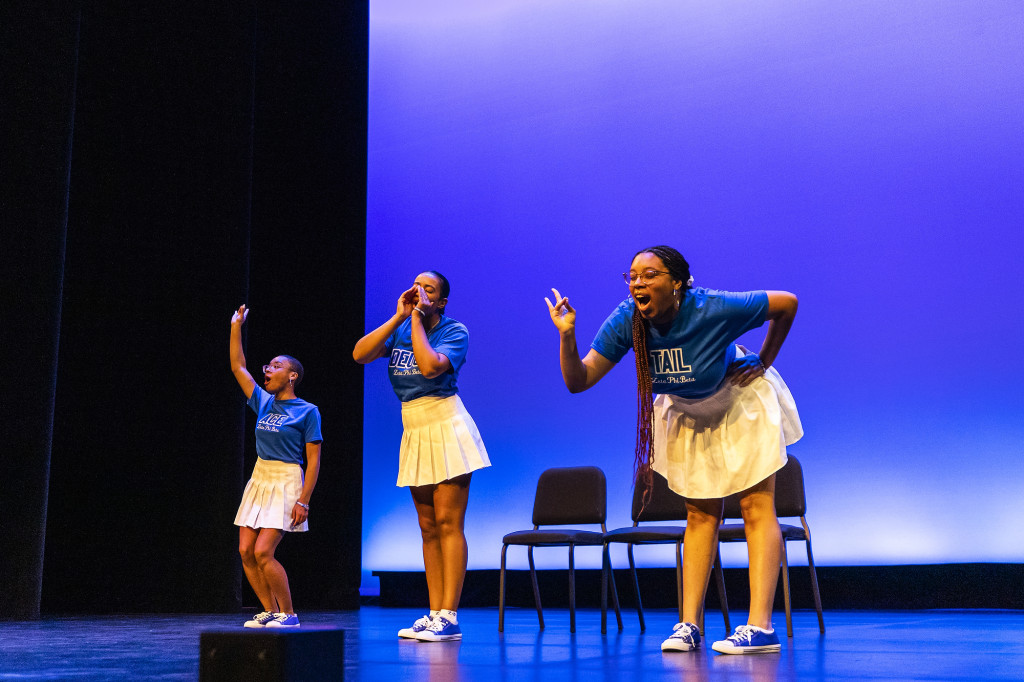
(219, 158)
(39, 51)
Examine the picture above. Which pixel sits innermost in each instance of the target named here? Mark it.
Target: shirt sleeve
(615, 337)
(390, 343)
(312, 427)
(741, 312)
(453, 343)
(259, 400)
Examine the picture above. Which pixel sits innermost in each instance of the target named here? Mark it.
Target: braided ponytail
(644, 452)
(643, 456)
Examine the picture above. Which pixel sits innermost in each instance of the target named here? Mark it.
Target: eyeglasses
(267, 368)
(647, 276)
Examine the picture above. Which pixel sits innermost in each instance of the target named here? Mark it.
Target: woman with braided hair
(713, 419)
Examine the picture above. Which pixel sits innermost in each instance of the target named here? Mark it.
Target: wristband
(304, 506)
(422, 314)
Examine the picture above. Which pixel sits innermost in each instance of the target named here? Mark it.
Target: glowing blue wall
(866, 156)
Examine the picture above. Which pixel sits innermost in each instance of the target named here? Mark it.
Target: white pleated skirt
(440, 442)
(269, 496)
(716, 446)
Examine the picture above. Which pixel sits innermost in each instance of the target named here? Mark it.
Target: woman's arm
(579, 375)
(782, 307)
(371, 346)
(300, 513)
(237, 355)
(431, 363)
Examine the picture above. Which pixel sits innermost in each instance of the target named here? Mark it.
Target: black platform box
(272, 655)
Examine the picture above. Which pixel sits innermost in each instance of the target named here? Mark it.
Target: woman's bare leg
(423, 498)
(450, 501)
(247, 549)
(702, 520)
(764, 547)
(271, 569)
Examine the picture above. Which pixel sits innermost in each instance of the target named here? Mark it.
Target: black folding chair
(565, 496)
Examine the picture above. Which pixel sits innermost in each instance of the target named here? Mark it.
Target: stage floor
(859, 645)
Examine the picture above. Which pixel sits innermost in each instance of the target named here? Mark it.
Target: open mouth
(266, 379)
(642, 299)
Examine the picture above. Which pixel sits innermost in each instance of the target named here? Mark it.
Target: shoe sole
(766, 649)
(249, 624)
(280, 627)
(682, 648)
(406, 634)
(444, 638)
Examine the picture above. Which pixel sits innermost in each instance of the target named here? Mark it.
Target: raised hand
(563, 315)
(407, 301)
(423, 302)
(239, 315)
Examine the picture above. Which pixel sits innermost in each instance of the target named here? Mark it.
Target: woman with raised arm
(441, 445)
(276, 499)
(713, 419)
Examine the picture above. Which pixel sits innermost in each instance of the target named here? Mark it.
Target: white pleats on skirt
(269, 496)
(440, 442)
(715, 446)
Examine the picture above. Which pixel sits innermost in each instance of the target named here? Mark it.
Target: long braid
(644, 453)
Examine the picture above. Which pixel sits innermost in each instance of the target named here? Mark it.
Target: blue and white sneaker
(283, 620)
(417, 627)
(440, 629)
(685, 637)
(260, 620)
(749, 639)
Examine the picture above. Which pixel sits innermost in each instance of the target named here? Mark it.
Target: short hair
(294, 366)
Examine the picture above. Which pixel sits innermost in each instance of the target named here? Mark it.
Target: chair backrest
(664, 505)
(790, 499)
(567, 495)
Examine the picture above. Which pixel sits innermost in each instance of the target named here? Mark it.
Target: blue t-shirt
(448, 337)
(283, 427)
(691, 357)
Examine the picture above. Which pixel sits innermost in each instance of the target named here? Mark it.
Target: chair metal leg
(536, 590)
(606, 573)
(501, 591)
(814, 588)
(636, 589)
(606, 567)
(785, 591)
(572, 589)
(723, 600)
(679, 579)
(615, 595)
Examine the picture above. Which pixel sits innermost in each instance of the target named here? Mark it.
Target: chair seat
(555, 537)
(637, 535)
(733, 532)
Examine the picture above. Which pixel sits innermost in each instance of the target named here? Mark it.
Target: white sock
(433, 613)
(449, 616)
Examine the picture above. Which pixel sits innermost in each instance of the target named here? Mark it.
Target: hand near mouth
(562, 314)
(423, 302)
(407, 301)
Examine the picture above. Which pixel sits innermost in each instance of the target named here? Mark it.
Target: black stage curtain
(217, 156)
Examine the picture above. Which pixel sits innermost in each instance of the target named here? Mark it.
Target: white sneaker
(260, 620)
(417, 627)
(685, 637)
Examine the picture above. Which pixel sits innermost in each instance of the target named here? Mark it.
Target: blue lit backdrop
(866, 156)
